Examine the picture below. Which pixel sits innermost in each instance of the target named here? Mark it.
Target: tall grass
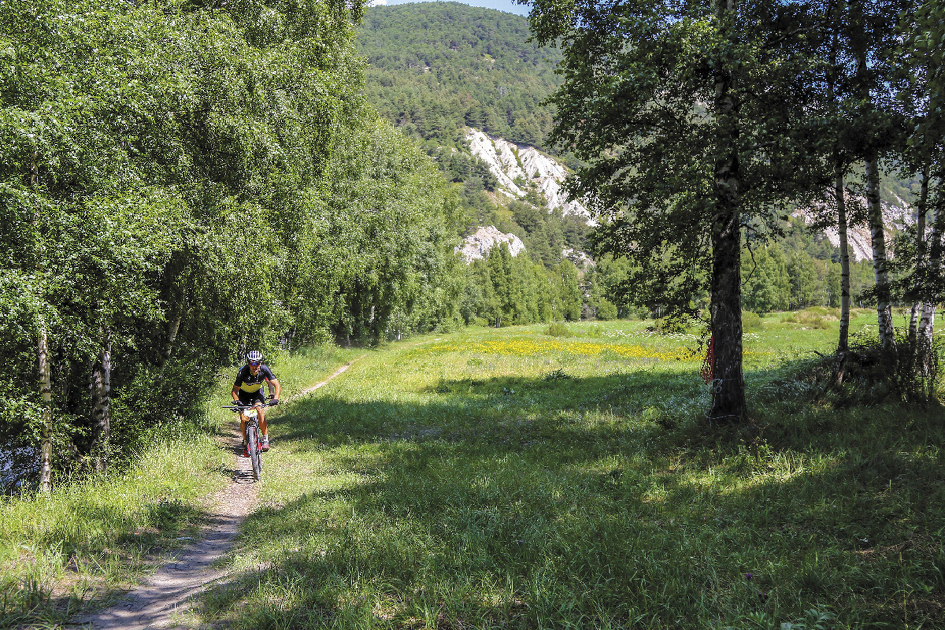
(94, 537)
(514, 479)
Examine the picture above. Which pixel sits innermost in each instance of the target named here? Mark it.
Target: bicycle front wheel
(255, 456)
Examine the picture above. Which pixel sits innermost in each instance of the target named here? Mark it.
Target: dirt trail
(161, 600)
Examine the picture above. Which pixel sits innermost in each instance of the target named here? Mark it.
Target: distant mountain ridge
(435, 68)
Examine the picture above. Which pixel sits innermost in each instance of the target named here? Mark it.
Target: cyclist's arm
(274, 383)
(236, 393)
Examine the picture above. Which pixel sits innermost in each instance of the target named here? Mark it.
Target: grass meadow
(514, 479)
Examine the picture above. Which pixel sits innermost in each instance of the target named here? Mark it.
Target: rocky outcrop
(579, 259)
(478, 245)
(519, 166)
(896, 218)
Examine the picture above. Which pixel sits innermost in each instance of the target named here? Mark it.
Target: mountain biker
(248, 390)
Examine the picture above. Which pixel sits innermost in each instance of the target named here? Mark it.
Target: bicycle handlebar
(244, 407)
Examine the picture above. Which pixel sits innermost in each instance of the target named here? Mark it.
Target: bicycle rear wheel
(255, 456)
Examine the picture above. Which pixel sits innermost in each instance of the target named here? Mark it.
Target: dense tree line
(506, 290)
(183, 180)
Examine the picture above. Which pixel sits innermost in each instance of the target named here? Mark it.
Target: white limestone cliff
(478, 245)
(510, 162)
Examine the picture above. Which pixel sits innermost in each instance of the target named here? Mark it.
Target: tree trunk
(728, 391)
(101, 403)
(874, 208)
(921, 260)
(843, 343)
(45, 374)
(173, 327)
(931, 296)
(880, 261)
(45, 391)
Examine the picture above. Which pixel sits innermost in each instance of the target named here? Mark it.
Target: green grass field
(510, 478)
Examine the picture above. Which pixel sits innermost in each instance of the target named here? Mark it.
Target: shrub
(672, 324)
(815, 317)
(870, 375)
(750, 321)
(558, 329)
(606, 310)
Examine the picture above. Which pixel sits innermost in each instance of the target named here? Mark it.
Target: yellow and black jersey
(251, 383)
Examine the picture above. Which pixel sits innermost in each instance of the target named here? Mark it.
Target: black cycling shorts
(251, 398)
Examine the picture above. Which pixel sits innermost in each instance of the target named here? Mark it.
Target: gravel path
(160, 600)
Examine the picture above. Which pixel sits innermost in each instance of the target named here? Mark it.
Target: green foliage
(751, 322)
(390, 218)
(436, 68)
(504, 290)
(672, 324)
(176, 188)
(558, 329)
(569, 298)
(765, 280)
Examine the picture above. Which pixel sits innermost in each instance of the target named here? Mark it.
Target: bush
(815, 317)
(606, 310)
(751, 322)
(672, 324)
(870, 375)
(558, 329)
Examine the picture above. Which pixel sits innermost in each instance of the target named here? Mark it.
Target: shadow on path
(167, 592)
(162, 599)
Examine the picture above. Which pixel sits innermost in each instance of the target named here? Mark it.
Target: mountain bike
(252, 435)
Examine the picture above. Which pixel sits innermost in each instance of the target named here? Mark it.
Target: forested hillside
(437, 67)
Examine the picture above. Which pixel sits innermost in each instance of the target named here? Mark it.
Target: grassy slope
(509, 478)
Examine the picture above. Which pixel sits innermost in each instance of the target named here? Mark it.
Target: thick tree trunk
(45, 392)
(101, 403)
(880, 261)
(728, 391)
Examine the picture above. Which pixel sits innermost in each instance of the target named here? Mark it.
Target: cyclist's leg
(245, 400)
(263, 427)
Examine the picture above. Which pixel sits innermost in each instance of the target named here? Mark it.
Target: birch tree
(920, 65)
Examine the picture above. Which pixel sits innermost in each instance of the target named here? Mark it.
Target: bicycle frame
(251, 413)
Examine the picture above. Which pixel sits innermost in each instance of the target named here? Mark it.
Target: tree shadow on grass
(545, 502)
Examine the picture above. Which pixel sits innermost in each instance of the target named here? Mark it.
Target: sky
(509, 6)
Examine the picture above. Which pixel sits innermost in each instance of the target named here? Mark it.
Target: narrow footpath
(162, 600)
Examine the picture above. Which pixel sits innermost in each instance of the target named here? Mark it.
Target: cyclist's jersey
(252, 383)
